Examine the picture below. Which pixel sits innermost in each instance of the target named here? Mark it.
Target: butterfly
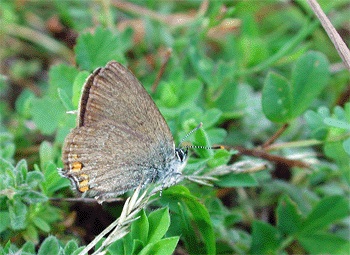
(121, 140)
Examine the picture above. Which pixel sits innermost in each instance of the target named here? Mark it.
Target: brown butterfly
(121, 140)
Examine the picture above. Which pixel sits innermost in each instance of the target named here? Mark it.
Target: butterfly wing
(114, 93)
(121, 140)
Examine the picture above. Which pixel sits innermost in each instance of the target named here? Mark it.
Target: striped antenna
(217, 147)
(198, 146)
(190, 133)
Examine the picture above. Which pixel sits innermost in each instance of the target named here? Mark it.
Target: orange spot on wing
(84, 184)
(83, 189)
(77, 166)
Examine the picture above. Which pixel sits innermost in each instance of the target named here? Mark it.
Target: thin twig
(138, 10)
(38, 38)
(246, 166)
(175, 20)
(85, 199)
(270, 157)
(161, 70)
(338, 42)
(273, 138)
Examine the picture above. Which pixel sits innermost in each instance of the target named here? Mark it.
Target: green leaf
(346, 146)
(265, 239)
(276, 98)
(118, 247)
(189, 92)
(162, 247)
(7, 182)
(254, 48)
(283, 101)
(196, 226)
(333, 122)
(61, 78)
(5, 165)
(34, 178)
(46, 154)
(72, 16)
(79, 81)
(309, 78)
(227, 102)
(69, 121)
(326, 212)
(23, 103)
(137, 246)
(335, 151)
(221, 91)
(176, 77)
(28, 248)
(7, 145)
(46, 113)
(4, 220)
(41, 224)
(80, 249)
(33, 197)
(299, 196)
(221, 157)
(18, 214)
(128, 245)
(237, 180)
(53, 181)
(168, 97)
(70, 247)
(211, 117)
(21, 171)
(66, 101)
(176, 97)
(315, 120)
(6, 248)
(49, 246)
(323, 243)
(140, 228)
(202, 139)
(288, 217)
(202, 65)
(95, 50)
(159, 222)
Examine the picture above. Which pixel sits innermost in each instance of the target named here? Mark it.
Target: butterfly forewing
(121, 140)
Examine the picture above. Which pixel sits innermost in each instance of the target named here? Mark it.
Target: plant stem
(304, 32)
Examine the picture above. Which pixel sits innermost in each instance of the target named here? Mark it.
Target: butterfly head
(181, 154)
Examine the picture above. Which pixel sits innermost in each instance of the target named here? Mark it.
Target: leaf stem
(304, 32)
(273, 138)
(303, 143)
(38, 38)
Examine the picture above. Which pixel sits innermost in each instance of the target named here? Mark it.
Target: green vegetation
(262, 76)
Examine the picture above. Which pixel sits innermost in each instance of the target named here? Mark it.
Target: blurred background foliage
(262, 76)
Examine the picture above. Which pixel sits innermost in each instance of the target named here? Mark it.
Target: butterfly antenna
(190, 133)
(198, 146)
(217, 147)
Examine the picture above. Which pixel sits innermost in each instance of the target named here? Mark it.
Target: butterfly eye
(181, 154)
